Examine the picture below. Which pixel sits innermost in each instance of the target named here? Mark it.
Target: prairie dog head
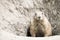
(39, 15)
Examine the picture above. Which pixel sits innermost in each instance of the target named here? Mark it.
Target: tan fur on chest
(38, 25)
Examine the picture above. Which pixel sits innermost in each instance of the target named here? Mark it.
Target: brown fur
(40, 27)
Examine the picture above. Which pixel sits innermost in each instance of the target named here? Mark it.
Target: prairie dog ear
(35, 15)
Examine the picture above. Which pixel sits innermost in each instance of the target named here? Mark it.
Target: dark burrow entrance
(38, 34)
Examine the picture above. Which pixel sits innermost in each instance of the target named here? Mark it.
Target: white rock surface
(12, 20)
(9, 36)
(15, 15)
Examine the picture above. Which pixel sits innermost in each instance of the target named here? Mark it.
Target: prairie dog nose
(39, 17)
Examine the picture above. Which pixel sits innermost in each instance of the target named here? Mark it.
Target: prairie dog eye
(42, 13)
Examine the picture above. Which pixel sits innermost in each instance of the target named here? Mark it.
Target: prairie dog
(40, 25)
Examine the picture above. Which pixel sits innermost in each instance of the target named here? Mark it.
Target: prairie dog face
(39, 15)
